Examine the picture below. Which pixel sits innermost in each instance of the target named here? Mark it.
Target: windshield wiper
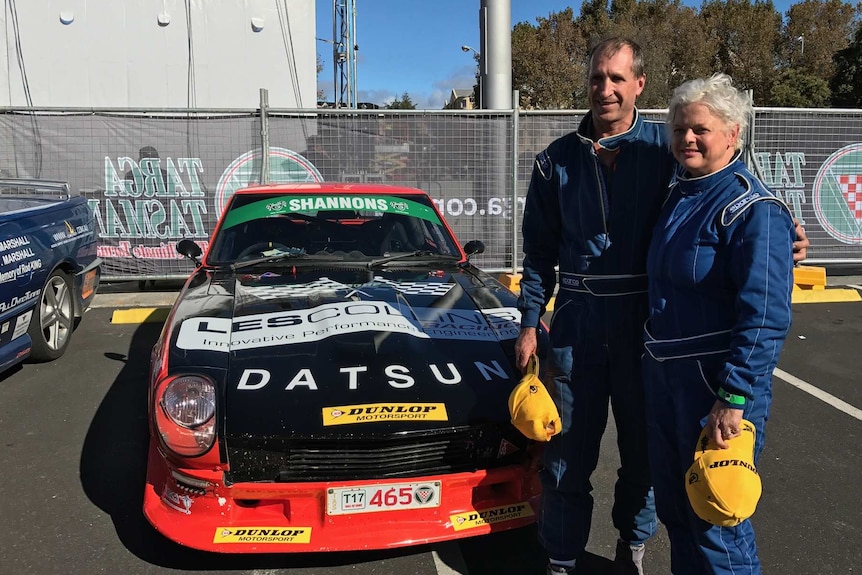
(381, 261)
(268, 259)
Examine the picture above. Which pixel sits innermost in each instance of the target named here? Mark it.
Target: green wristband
(731, 398)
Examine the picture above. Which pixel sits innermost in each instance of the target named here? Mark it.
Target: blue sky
(414, 46)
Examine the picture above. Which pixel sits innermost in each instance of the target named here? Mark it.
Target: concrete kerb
(136, 307)
(134, 299)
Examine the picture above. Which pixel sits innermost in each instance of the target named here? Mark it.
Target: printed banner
(153, 181)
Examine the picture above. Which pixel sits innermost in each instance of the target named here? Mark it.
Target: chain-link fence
(153, 178)
(813, 159)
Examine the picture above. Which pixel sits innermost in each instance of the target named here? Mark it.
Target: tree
(816, 30)
(548, 61)
(846, 84)
(675, 45)
(796, 88)
(402, 103)
(745, 35)
(746, 39)
(595, 21)
(319, 69)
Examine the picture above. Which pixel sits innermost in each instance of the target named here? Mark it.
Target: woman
(720, 278)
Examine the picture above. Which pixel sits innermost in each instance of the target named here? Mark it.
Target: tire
(53, 319)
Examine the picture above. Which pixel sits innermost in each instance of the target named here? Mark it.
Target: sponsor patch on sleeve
(544, 164)
(738, 206)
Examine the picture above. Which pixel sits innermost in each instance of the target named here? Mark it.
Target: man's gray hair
(610, 46)
(718, 94)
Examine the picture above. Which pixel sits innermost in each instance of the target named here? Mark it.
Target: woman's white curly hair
(717, 93)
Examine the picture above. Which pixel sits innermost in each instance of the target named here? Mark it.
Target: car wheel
(53, 319)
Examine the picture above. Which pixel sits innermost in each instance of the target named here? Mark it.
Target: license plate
(388, 497)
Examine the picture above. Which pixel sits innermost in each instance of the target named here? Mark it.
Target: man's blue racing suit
(594, 220)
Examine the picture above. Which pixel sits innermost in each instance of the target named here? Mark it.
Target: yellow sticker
(478, 518)
(262, 535)
(377, 412)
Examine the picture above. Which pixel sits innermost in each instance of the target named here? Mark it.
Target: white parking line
(819, 394)
(448, 559)
(854, 286)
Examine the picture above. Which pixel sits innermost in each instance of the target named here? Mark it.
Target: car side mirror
(474, 247)
(190, 249)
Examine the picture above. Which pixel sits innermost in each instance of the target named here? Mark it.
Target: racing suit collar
(585, 132)
(689, 185)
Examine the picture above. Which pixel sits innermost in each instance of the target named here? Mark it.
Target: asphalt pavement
(74, 452)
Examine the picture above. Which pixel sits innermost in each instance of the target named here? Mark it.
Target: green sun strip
(273, 206)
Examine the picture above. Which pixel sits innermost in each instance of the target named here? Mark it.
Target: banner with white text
(154, 180)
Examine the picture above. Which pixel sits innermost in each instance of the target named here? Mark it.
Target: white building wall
(115, 53)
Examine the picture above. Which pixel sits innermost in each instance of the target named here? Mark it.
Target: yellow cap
(723, 486)
(531, 406)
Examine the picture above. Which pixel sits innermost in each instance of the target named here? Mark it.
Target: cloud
(379, 97)
(462, 78)
(434, 98)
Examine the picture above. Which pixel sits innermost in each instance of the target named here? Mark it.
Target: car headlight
(185, 419)
(189, 401)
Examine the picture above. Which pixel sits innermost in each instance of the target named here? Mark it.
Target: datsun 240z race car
(334, 376)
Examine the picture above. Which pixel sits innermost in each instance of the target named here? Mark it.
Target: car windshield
(331, 227)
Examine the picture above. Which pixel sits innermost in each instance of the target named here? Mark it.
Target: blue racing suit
(720, 280)
(594, 222)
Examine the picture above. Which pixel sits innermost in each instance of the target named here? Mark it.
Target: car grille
(372, 457)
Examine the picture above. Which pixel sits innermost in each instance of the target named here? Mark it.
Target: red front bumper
(292, 517)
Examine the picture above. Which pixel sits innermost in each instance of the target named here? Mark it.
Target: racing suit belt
(608, 285)
(686, 347)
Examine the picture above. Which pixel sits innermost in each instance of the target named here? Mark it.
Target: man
(593, 199)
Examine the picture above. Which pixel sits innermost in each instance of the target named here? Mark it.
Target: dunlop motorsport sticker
(328, 320)
(262, 535)
(478, 518)
(377, 412)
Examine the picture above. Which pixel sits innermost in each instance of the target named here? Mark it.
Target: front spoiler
(292, 518)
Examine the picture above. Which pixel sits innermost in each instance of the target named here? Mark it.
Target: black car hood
(351, 351)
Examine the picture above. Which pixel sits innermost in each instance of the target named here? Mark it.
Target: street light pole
(480, 104)
(495, 38)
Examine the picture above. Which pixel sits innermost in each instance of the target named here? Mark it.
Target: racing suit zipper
(603, 196)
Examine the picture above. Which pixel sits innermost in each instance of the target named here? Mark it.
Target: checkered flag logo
(851, 188)
(423, 494)
(416, 288)
(322, 285)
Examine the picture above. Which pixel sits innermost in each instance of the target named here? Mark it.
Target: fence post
(749, 158)
(516, 105)
(264, 136)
